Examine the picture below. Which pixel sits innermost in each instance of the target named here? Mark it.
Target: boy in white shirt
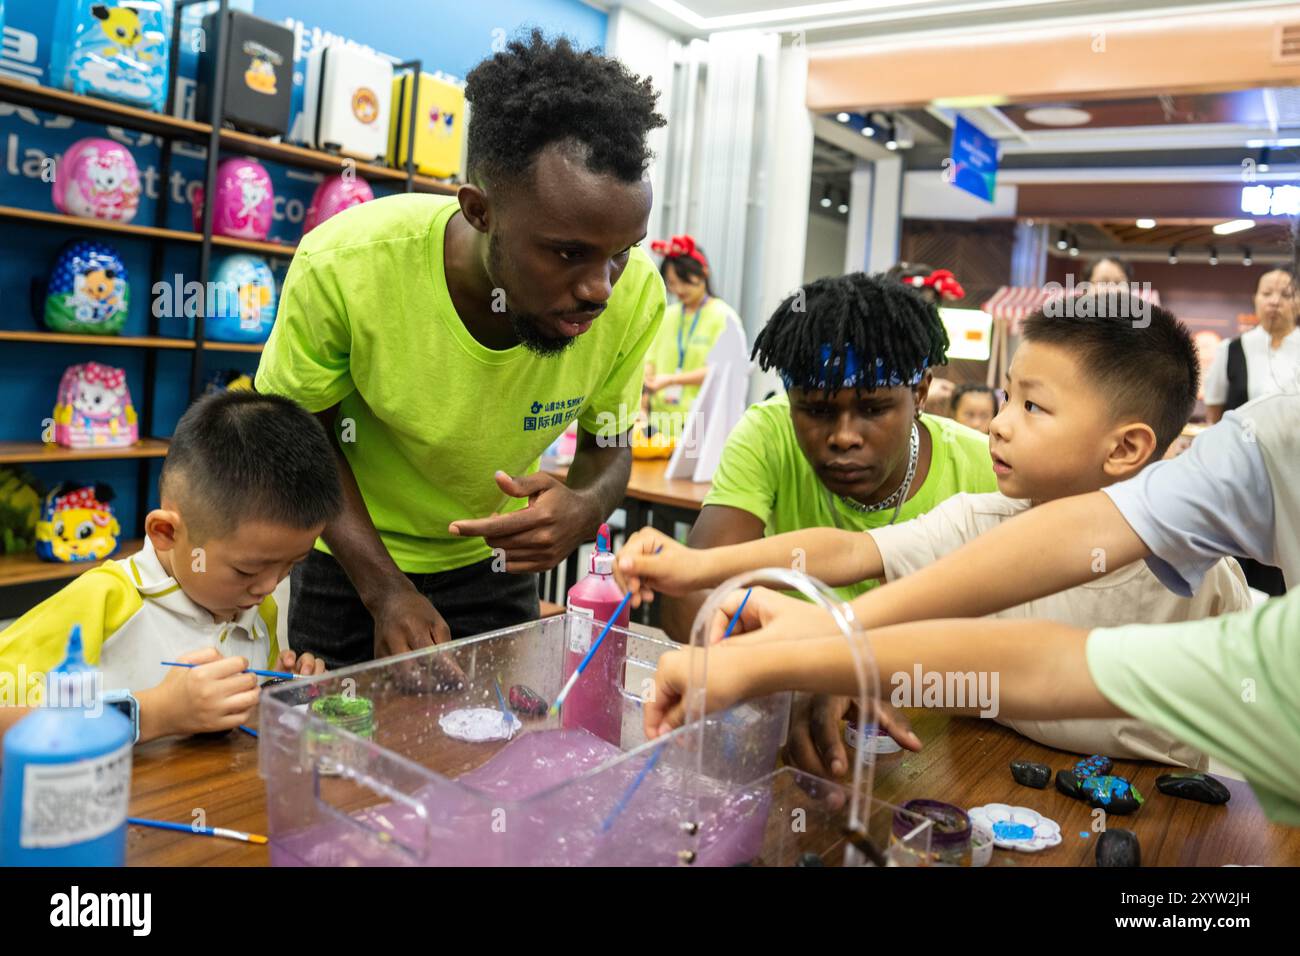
(248, 484)
(1094, 395)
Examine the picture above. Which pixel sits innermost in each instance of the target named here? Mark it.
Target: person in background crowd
(678, 360)
(975, 406)
(1107, 272)
(1262, 361)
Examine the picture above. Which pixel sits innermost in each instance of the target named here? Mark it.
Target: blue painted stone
(1112, 794)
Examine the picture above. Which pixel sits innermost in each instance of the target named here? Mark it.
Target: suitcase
(440, 126)
(259, 73)
(347, 101)
(114, 49)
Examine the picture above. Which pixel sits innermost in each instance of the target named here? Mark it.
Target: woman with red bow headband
(935, 285)
(678, 360)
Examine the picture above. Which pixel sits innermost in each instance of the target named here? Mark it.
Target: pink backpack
(94, 408)
(97, 179)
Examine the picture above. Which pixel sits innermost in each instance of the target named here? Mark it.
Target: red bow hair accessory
(679, 246)
(941, 281)
(80, 498)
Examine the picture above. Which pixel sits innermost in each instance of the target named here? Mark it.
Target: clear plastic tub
(408, 794)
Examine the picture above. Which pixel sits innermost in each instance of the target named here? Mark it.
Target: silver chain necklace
(897, 499)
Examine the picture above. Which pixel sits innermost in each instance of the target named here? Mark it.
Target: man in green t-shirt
(848, 445)
(448, 341)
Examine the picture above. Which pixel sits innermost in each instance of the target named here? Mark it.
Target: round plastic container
(950, 837)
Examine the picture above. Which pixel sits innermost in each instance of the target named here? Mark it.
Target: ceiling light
(1061, 241)
(1057, 116)
(842, 117)
(1214, 256)
(1173, 256)
(1262, 165)
(1234, 225)
(868, 130)
(1146, 223)
(843, 207)
(826, 198)
(891, 139)
(1245, 257)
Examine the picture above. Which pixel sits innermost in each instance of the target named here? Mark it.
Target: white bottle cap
(602, 562)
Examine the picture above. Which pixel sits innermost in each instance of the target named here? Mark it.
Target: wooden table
(964, 762)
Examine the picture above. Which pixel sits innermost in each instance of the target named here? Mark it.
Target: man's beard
(527, 326)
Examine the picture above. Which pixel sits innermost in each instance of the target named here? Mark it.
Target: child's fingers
(241, 704)
(286, 661)
(204, 655)
(223, 668)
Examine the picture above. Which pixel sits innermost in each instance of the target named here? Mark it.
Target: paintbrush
(595, 646)
(198, 831)
(282, 675)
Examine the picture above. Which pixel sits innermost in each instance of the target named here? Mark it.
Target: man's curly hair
(540, 91)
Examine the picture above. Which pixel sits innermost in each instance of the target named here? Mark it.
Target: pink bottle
(596, 702)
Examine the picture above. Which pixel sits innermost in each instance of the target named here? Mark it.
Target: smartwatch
(124, 701)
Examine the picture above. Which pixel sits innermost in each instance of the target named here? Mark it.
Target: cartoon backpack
(245, 200)
(98, 179)
(115, 49)
(88, 289)
(94, 408)
(228, 380)
(20, 509)
(77, 524)
(245, 300)
(334, 195)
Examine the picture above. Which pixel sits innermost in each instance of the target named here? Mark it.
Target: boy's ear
(162, 526)
(1133, 447)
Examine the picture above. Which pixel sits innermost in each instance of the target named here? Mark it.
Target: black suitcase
(259, 73)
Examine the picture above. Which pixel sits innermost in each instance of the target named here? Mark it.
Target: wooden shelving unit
(168, 129)
(73, 338)
(233, 346)
(36, 452)
(28, 569)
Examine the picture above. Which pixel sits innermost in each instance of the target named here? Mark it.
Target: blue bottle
(66, 777)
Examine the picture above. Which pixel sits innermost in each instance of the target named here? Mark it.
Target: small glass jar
(877, 741)
(353, 714)
(950, 835)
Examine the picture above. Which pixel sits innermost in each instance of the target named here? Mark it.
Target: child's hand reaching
(731, 679)
(652, 561)
(306, 665)
(216, 695)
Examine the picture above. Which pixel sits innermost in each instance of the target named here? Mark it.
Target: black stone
(1094, 766)
(810, 859)
(1119, 848)
(1112, 794)
(1030, 774)
(1069, 784)
(1193, 786)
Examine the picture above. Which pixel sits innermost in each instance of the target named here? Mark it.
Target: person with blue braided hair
(848, 445)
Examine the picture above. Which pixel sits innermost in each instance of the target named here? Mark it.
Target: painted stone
(1119, 848)
(1030, 774)
(1193, 786)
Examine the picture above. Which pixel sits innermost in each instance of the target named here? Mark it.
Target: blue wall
(451, 37)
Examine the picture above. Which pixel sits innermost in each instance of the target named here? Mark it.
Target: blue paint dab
(1083, 834)
(1006, 830)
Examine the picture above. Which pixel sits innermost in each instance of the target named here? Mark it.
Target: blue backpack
(114, 49)
(89, 291)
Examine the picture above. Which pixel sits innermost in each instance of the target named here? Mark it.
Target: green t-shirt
(1229, 686)
(428, 414)
(708, 321)
(762, 471)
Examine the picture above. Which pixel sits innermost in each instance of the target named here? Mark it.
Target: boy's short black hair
(1137, 355)
(537, 91)
(879, 321)
(238, 456)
